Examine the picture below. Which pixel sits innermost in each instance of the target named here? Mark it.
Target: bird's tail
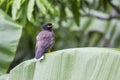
(39, 53)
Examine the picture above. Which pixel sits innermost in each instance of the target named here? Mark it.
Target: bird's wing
(48, 40)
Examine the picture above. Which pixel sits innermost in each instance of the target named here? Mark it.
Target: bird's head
(47, 26)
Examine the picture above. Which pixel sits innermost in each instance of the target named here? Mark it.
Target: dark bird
(45, 41)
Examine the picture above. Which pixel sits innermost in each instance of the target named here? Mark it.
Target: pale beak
(49, 26)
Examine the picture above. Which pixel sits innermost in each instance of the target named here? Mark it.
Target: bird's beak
(49, 26)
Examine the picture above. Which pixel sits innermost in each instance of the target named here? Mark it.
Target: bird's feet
(49, 51)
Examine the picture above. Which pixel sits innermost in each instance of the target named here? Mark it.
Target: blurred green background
(78, 23)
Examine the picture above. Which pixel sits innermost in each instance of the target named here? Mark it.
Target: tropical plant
(10, 34)
(71, 64)
(79, 23)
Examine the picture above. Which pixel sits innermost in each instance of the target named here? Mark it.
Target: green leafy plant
(71, 64)
(10, 34)
(79, 23)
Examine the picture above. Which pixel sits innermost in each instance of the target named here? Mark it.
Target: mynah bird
(45, 41)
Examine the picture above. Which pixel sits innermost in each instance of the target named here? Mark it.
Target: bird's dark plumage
(45, 40)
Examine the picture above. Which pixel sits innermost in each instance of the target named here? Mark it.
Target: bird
(44, 41)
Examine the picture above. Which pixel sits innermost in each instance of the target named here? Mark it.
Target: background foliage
(79, 23)
(10, 33)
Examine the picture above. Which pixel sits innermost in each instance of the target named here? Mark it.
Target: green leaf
(4, 77)
(75, 11)
(48, 5)
(1, 2)
(9, 37)
(116, 37)
(100, 27)
(23, 68)
(15, 7)
(41, 7)
(72, 64)
(116, 2)
(9, 3)
(30, 9)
